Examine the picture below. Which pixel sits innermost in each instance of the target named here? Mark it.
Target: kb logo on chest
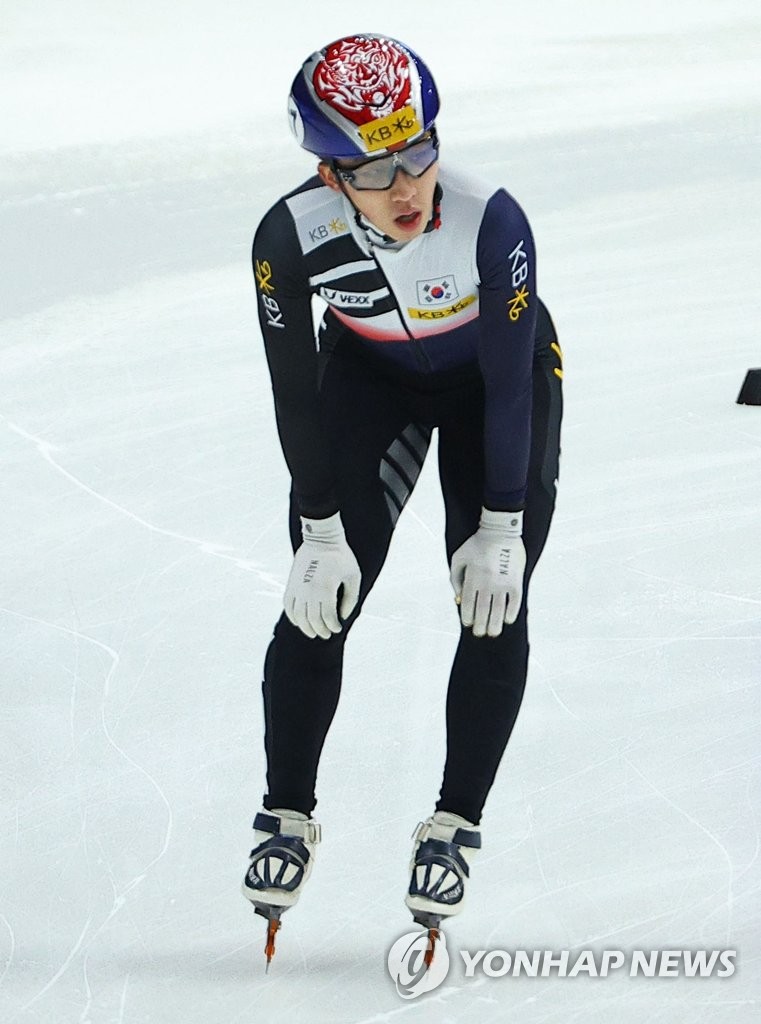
(325, 231)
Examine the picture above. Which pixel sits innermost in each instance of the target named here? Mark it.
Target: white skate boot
(281, 863)
(444, 847)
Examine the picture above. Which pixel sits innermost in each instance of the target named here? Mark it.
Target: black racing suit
(444, 332)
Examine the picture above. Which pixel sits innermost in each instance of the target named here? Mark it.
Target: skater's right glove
(487, 573)
(321, 566)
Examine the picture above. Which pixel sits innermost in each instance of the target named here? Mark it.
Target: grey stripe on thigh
(401, 464)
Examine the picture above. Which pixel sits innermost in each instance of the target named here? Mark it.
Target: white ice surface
(143, 548)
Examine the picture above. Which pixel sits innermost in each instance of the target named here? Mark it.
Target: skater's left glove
(487, 573)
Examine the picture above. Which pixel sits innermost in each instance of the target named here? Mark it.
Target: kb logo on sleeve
(263, 272)
(519, 267)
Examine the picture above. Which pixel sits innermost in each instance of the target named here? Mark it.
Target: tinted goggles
(378, 174)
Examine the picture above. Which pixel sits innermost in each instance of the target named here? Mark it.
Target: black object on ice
(750, 392)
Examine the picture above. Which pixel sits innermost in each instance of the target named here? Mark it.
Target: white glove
(321, 565)
(487, 573)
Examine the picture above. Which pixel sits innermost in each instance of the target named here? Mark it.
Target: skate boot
(444, 846)
(281, 863)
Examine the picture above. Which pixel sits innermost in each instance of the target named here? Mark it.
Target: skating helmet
(362, 95)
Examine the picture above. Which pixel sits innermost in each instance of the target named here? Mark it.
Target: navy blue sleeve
(285, 317)
(508, 303)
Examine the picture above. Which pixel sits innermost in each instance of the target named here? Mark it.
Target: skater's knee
(290, 644)
(495, 661)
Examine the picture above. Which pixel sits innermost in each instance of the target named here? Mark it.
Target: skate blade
(272, 916)
(432, 924)
(433, 934)
(269, 947)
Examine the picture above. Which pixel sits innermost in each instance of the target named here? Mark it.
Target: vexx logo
(346, 300)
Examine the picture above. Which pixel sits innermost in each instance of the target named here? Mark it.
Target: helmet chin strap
(370, 229)
(359, 218)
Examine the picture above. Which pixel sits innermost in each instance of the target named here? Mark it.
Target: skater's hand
(487, 573)
(321, 566)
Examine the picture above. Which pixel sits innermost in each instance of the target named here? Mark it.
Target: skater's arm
(285, 316)
(506, 265)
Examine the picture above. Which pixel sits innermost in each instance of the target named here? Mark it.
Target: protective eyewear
(378, 174)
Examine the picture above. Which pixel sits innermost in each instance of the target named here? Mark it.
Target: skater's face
(400, 210)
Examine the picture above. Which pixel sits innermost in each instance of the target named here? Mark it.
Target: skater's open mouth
(408, 221)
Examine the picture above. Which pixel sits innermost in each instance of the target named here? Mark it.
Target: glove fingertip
(331, 622)
(513, 610)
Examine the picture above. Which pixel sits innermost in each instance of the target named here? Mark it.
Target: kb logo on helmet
(397, 127)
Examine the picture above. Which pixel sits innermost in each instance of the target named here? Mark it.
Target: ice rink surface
(144, 552)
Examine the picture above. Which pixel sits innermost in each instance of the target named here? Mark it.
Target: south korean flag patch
(437, 291)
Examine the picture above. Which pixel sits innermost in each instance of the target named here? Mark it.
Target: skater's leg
(301, 686)
(379, 454)
(489, 674)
